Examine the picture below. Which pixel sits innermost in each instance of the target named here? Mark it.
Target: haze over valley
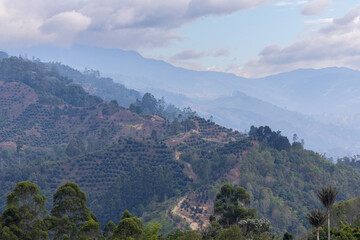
(179, 120)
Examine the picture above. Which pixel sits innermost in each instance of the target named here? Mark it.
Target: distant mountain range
(305, 101)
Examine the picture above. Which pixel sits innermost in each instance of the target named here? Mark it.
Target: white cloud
(64, 26)
(106, 23)
(334, 44)
(218, 7)
(319, 21)
(66, 22)
(290, 3)
(315, 7)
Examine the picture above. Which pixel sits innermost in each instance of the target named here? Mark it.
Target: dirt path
(177, 211)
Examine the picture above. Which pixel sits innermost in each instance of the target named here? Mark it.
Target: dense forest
(166, 167)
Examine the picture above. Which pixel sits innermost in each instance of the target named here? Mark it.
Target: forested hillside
(108, 90)
(52, 131)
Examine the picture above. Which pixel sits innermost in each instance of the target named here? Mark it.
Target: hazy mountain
(137, 72)
(310, 91)
(330, 96)
(240, 111)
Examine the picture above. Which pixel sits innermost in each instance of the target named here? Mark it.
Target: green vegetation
(317, 218)
(26, 218)
(53, 132)
(230, 205)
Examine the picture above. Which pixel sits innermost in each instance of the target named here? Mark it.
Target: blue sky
(251, 38)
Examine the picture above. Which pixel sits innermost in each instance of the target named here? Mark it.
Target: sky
(250, 38)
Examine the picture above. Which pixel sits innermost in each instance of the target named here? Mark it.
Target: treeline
(25, 217)
(150, 105)
(51, 87)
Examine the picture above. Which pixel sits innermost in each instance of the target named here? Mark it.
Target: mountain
(53, 131)
(240, 111)
(311, 91)
(40, 108)
(135, 71)
(308, 91)
(326, 99)
(93, 83)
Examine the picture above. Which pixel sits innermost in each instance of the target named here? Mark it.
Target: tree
(19, 145)
(254, 227)
(317, 218)
(75, 147)
(233, 233)
(135, 108)
(151, 231)
(69, 209)
(7, 234)
(190, 235)
(175, 235)
(327, 195)
(149, 103)
(90, 229)
(230, 205)
(109, 229)
(24, 212)
(126, 214)
(128, 227)
(212, 231)
(287, 236)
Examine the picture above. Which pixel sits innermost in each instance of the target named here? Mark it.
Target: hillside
(41, 108)
(326, 98)
(102, 87)
(53, 131)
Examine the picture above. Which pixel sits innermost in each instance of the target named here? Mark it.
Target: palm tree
(327, 196)
(317, 218)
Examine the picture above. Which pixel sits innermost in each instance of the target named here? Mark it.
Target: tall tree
(24, 213)
(69, 210)
(128, 227)
(327, 195)
(230, 205)
(317, 218)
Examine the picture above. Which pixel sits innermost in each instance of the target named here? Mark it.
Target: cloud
(192, 54)
(334, 44)
(64, 26)
(290, 3)
(218, 7)
(188, 54)
(315, 7)
(319, 21)
(107, 23)
(221, 52)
